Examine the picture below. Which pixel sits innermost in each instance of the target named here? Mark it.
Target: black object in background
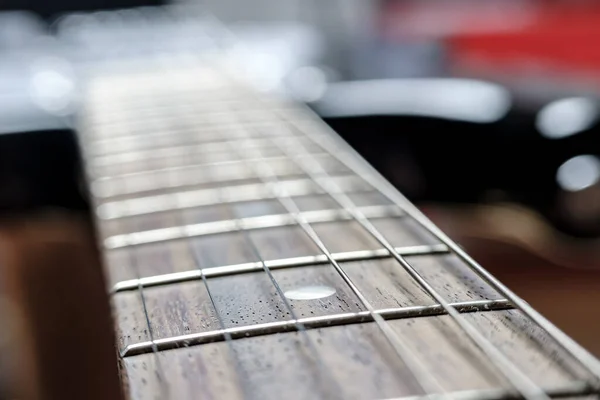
(50, 9)
(432, 157)
(40, 169)
(435, 160)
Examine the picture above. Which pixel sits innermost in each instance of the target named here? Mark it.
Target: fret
(313, 322)
(278, 242)
(287, 256)
(231, 194)
(196, 176)
(174, 163)
(164, 137)
(177, 156)
(251, 223)
(317, 205)
(358, 355)
(116, 266)
(399, 290)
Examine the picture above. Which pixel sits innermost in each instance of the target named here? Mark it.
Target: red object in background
(504, 35)
(560, 39)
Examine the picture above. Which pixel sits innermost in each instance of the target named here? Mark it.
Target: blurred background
(484, 113)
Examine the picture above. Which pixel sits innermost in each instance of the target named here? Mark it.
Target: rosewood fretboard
(253, 254)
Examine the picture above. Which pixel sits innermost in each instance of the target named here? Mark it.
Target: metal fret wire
(208, 197)
(518, 379)
(229, 225)
(345, 154)
(296, 321)
(102, 151)
(172, 152)
(163, 152)
(191, 166)
(166, 111)
(425, 381)
(269, 328)
(149, 129)
(292, 262)
(169, 153)
(151, 183)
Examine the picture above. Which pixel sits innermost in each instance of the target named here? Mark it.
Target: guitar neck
(251, 253)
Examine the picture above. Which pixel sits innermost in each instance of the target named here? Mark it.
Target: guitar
(251, 253)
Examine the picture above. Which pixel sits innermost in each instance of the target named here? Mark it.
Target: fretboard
(253, 254)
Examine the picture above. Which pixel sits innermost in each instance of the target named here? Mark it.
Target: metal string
(299, 325)
(518, 379)
(346, 155)
(164, 386)
(241, 373)
(427, 383)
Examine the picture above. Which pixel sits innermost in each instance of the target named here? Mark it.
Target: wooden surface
(60, 344)
(162, 222)
(557, 275)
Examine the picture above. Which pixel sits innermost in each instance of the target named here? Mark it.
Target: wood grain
(62, 342)
(359, 363)
(167, 145)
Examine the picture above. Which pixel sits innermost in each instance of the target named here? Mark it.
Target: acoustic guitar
(251, 253)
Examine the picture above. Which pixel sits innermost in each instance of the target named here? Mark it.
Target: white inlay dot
(310, 293)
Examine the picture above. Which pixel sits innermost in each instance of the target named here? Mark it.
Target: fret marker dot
(310, 293)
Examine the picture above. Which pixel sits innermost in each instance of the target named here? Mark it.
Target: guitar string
(244, 379)
(299, 325)
(165, 387)
(132, 255)
(346, 155)
(515, 376)
(426, 381)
